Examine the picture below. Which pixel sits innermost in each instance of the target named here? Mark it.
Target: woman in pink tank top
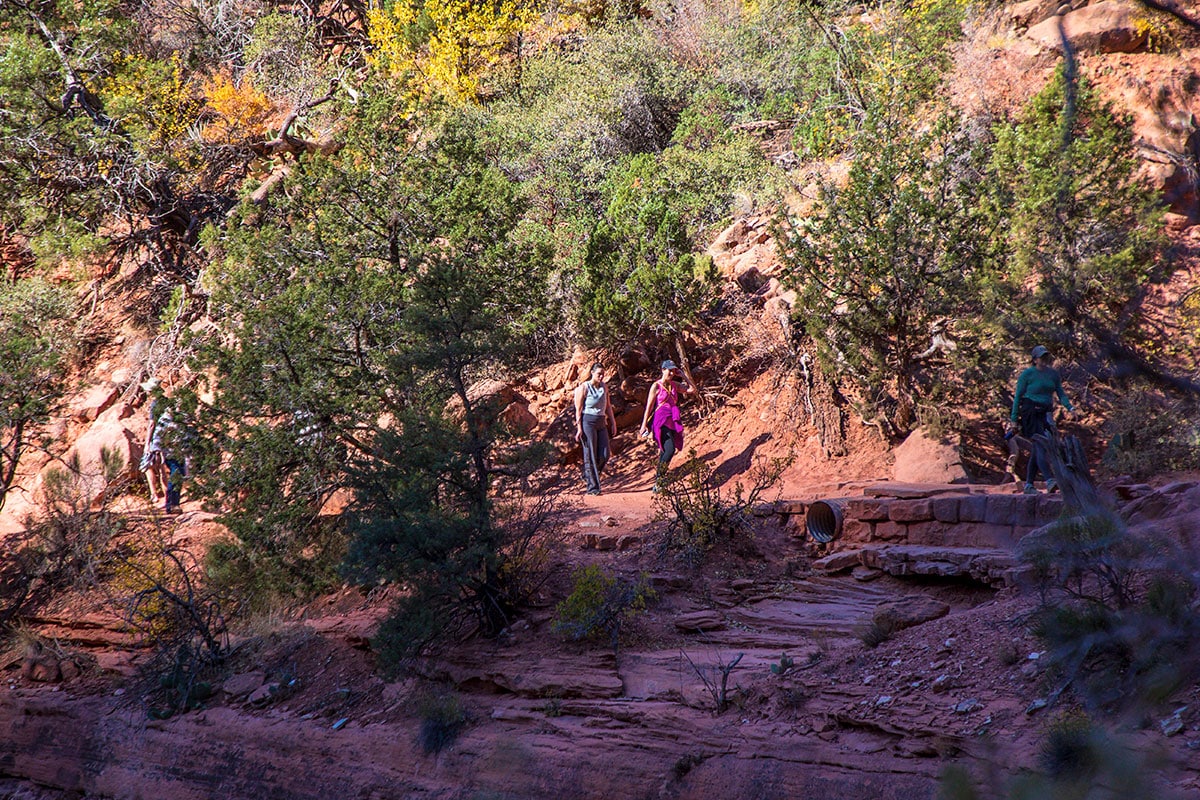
(662, 417)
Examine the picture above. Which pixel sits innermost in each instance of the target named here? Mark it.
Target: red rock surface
(551, 719)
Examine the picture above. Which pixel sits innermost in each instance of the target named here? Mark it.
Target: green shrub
(885, 256)
(1117, 613)
(878, 632)
(599, 603)
(785, 664)
(1079, 234)
(71, 539)
(1069, 747)
(36, 340)
(264, 568)
(442, 720)
(1150, 434)
(1077, 759)
(700, 512)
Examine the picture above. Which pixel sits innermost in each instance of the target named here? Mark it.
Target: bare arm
(649, 405)
(608, 411)
(579, 412)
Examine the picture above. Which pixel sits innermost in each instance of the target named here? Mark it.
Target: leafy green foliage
(701, 513)
(626, 167)
(361, 310)
(442, 719)
(882, 258)
(784, 665)
(878, 632)
(1044, 235)
(98, 133)
(55, 151)
(1078, 760)
(36, 340)
(640, 274)
(599, 603)
(1118, 610)
(71, 539)
(1150, 434)
(1082, 236)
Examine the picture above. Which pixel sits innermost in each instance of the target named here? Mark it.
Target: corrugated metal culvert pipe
(824, 519)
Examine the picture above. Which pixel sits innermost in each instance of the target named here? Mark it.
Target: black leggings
(665, 454)
(667, 436)
(1034, 468)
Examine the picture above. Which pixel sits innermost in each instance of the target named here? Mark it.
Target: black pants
(595, 449)
(1034, 421)
(665, 454)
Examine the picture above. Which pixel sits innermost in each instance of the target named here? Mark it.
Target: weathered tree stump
(1063, 456)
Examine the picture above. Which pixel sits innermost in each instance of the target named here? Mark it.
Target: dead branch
(717, 689)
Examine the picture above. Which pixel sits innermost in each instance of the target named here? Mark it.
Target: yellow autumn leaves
(241, 111)
(164, 110)
(448, 46)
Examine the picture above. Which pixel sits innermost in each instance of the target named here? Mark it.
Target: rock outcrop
(1110, 26)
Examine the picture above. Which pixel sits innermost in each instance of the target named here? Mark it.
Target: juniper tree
(1083, 235)
(882, 257)
(358, 310)
(36, 336)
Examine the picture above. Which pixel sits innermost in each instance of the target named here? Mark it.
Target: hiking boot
(1031, 489)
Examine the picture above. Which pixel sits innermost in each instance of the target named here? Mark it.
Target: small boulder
(922, 458)
(1172, 726)
(264, 694)
(94, 402)
(243, 684)
(838, 562)
(700, 621)
(489, 398)
(633, 360)
(70, 670)
(496, 393)
(1110, 26)
(865, 574)
(518, 418)
(40, 665)
(747, 274)
(1031, 12)
(909, 611)
(968, 706)
(731, 238)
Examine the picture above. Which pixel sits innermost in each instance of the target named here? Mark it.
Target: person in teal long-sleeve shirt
(1033, 403)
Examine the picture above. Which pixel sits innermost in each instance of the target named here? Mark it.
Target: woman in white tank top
(594, 423)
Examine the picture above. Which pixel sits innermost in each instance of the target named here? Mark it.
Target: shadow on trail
(740, 463)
